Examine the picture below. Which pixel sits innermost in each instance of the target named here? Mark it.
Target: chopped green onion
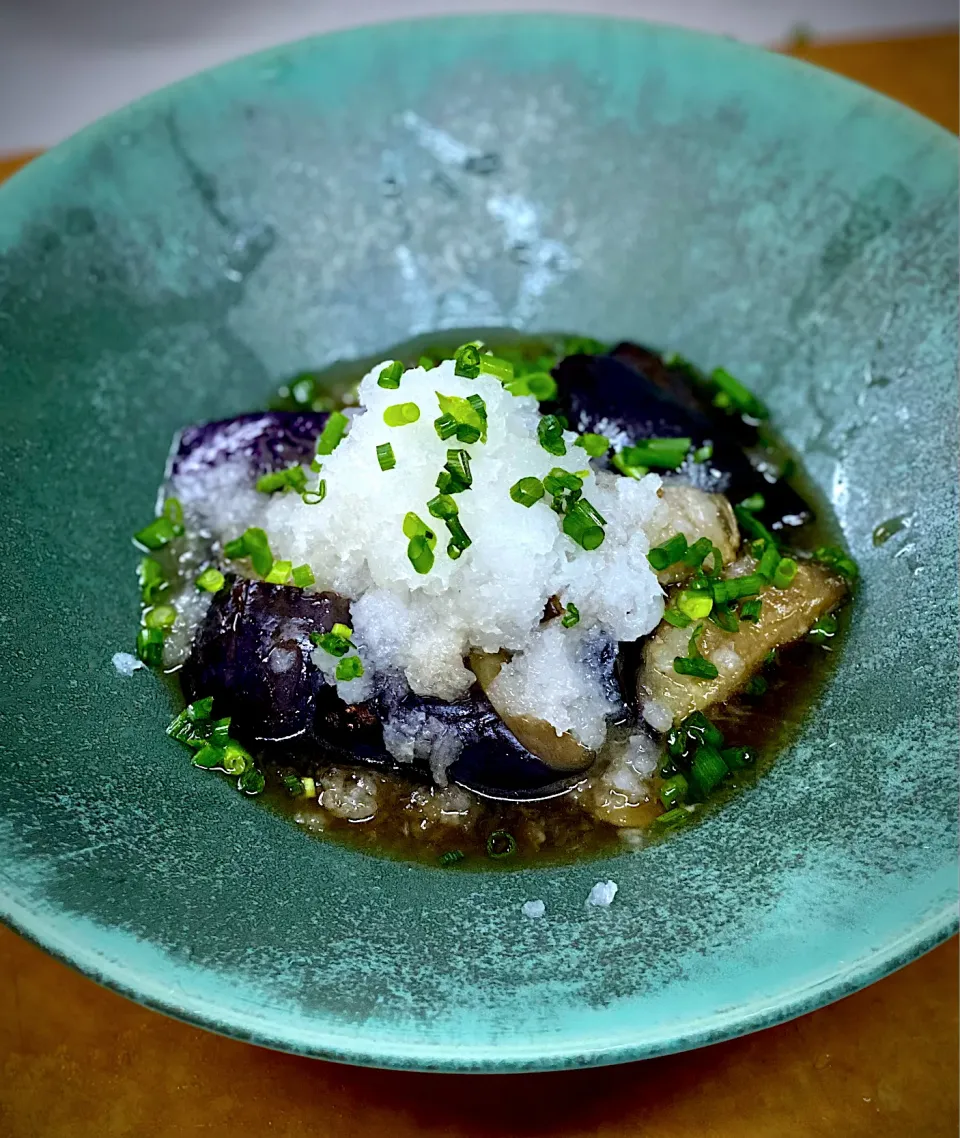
(707, 770)
(571, 616)
(580, 524)
(160, 616)
(769, 560)
(527, 491)
(422, 542)
(173, 512)
(493, 365)
(334, 643)
(455, 476)
(401, 414)
(151, 580)
(445, 426)
(501, 844)
(559, 480)
(315, 497)
(696, 553)
(150, 646)
(750, 610)
(620, 463)
(459, 538)
(699, 668)
(824, 628)
(426, 363)
(752, 527)
(211, 580)
(704, 453)
(837, 560)
(257, 548)
(699, 729)
(385, 456)
(451, 857)
(785, 572)
(158, 533)
(695, 605)
(737, 758)
(293, 785)
(550, 435)
(209, 757)
(673, 791)
(672, 820)
(582, 346)
(443, 507)
(676, 618)
(234, 550)
(723, 616)
(279, 572)
(733, 588)
(669, 553)
(302, 576)
(667, 454)
(732, 394)
(293, 478)
(756, 685)
(594, 445)
(343, 630)
(349, 668)
(251, 782)
(332, 434)
(469, 418)
(390, 376)
(753, 503)
(467, 361)
(541, 385)
(220, 732)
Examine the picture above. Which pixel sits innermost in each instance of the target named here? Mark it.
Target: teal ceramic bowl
(176, 260)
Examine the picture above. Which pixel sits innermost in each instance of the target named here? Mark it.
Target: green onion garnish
(467, 361)
(426, 363)
(445, 426)
(696, 553)
(724, 617)
(750, 610)
(581, 524)
(666, 454)
(672, 820)
(669, 553)
(293, 785)
(676, 618)
(785, 572)
(704, 453)
(257, 548)
(753, 503)
(541, 385)
(151, 580)
(211, 580)
(279, 572)
(385, 456)
(150, 646)
(349, 668)
(571, 616)
(528, 491)
(695, 605)
(559, 480)
(707, 770)
(459, 538)
(594, 445)
(493, 365)
(422, 542)
(733, 588)
(756, 686)
(336, 642)
(315, 497)
(390, 376)
(302, 576)
(456, 475)
(501, 844)
(158, 533)
(673, 791)
(401, 414)
(443, 507)
(451, 857)
(550, 435)
(737, 758)
(731, 394)
(620, 463)
(332, 434)
(469, 418)
(693, 664)
(752, 527)
(293, 478)
(824, 628)
(251, 782)
(837, 560)
(769, 560)
(160, 616)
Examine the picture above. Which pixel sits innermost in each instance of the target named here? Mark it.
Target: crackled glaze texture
(173, 262)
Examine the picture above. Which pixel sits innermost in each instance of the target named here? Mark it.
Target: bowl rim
(51, 931)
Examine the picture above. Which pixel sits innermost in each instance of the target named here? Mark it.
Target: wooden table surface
(81, 1062)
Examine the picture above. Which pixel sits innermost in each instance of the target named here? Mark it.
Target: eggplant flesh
(263, 441)
(631, 394)
(252, 654)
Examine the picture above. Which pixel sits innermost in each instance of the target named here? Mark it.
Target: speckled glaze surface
(176, 260)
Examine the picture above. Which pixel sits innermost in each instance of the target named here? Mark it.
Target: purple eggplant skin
(264, 441)
(631, 394)
(252, 654)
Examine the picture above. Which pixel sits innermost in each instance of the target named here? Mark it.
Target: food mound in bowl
(496, 604)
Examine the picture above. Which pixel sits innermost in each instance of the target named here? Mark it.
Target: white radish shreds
(533, 909)
(602, 894)
(493, 596)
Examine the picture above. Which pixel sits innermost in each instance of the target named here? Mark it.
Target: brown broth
(559, 830)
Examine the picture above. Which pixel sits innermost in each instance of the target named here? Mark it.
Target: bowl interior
(177, 260)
